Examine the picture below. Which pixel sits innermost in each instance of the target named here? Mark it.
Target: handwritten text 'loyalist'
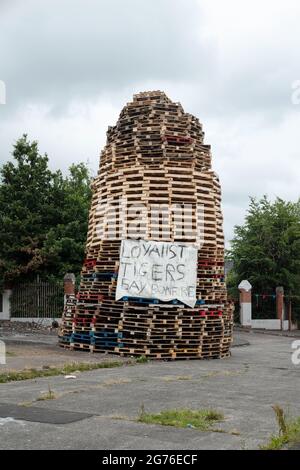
(157, 270)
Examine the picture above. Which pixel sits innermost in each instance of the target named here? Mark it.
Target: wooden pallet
(154, 154)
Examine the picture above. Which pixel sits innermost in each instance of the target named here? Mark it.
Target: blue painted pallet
(141, 300)
(80, 338)
(81, 335)
(105, 334)
(64, 339)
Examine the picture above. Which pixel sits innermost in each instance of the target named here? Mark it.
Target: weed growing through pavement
(202, 419)
(50, 395)
(288, 431)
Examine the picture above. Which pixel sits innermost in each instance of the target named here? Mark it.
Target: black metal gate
(37, 300)
(263, 306)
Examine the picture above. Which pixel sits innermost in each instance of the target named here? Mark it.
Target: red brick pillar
(69, 285)
(280, 304)
(245, 303)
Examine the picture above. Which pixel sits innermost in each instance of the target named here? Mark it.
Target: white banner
(158, 270)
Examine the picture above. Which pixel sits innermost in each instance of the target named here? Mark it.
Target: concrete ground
(37, 351)
(243, 387)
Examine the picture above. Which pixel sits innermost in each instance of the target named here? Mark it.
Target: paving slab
(40, 415)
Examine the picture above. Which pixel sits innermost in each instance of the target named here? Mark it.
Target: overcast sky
(70, 66)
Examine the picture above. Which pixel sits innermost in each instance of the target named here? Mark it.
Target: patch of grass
(52, 371)
(142, 360)
(182, 418)
(109, 383)
(222, 373)
(50, 395)
(288, 431)
(172, 378)
(281, 419)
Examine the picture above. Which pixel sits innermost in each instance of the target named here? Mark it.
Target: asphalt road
(243, 387)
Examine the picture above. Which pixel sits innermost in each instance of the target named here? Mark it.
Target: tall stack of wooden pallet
(154, 155)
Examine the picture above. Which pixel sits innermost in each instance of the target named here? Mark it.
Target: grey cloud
(56, 51)
(97, 53)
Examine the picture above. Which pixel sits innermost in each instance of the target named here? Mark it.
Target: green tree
(266, 249)
(43, 216)
(64, 246)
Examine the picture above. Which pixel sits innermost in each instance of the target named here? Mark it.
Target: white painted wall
(274, 324)
(285, 325)
(245, 314)
(5, 314)
(2, 353)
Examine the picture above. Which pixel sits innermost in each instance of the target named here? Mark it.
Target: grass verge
(52, 371)
(183, 418)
